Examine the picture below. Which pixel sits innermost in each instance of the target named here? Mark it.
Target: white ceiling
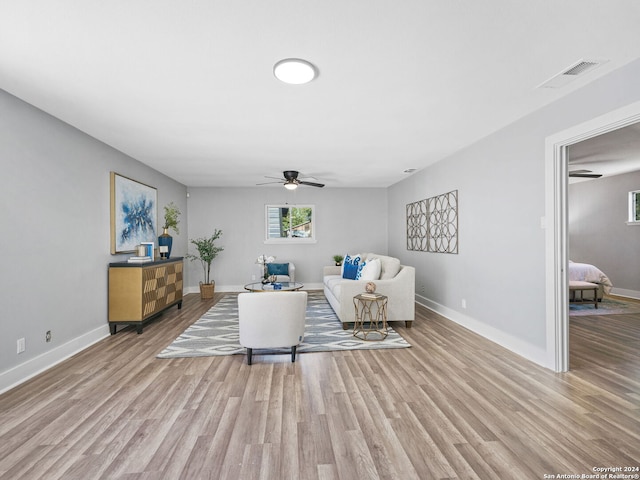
(187, 86)
(612, 153)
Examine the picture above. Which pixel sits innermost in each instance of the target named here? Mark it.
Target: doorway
(556, 222)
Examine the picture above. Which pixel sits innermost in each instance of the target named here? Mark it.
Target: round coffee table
(269, 287)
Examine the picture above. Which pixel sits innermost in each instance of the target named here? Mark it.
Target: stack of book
(148, 248)
(139, 259)
(371, 295)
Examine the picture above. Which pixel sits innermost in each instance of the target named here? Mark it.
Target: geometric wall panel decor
(417, 226)
(432, 224)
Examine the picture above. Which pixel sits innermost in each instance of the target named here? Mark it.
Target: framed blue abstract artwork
(134, 214)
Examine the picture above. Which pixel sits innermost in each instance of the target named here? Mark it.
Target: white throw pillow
(371, 270)
(390, 267)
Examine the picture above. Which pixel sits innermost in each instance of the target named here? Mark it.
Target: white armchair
(284, 272)
(272, 320)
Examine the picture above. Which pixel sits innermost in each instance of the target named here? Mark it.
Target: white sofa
(396, 281)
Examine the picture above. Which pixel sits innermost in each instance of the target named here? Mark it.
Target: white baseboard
(34, 366)
(516, 345)
(621, 292)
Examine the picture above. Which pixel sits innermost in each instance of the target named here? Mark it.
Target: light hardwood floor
(453, 406)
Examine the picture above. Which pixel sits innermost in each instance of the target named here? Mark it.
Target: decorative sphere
(370, 287)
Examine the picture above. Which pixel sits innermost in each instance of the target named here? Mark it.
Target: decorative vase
(207, 290)
(165, 240)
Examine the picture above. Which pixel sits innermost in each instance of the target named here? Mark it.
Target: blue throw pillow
(278, 268)
(350, 269)
(359, 272)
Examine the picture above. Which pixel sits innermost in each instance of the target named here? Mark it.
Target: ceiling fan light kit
(294, 71)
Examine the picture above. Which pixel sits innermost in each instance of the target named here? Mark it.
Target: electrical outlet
(21, 345)
(464, 303)
(47, 336)
(253, 277)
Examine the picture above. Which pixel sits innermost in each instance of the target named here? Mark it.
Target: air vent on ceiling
(571, 73)
(581, 67)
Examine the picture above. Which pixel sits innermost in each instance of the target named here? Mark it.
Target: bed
(586, 272)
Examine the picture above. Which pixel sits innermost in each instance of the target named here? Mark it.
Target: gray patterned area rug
(216, 333)
(607, 306)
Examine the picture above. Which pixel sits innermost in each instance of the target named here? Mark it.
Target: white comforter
(588, 273)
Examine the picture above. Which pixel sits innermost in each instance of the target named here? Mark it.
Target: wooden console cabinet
(139, 292)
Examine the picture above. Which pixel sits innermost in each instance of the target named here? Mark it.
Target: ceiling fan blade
(290, 179)
(307, 178)
(270, 183)
(311, 184)
(584, 175)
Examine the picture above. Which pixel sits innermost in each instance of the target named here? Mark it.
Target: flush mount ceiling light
(294, 71)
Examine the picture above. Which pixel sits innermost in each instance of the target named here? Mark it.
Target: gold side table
(371, 317)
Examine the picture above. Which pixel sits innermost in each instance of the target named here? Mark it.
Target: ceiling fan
(584, 174)
(290, 180)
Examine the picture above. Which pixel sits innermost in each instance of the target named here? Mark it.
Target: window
(634, 208)
(290, 224)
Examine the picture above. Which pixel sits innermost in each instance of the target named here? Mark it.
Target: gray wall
(500, 270)
(346, 220)
(55, 238)
(598, 233)
(55, 235)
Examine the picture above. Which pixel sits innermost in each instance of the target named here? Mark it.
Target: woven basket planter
(206, 290)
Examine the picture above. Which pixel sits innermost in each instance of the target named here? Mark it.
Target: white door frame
(556, 223)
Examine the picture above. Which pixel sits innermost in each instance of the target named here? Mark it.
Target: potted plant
(207, 251)
(338, 259)
(171, 213)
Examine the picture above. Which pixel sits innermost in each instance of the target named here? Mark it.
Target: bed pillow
(370, 270)
(350, 266)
